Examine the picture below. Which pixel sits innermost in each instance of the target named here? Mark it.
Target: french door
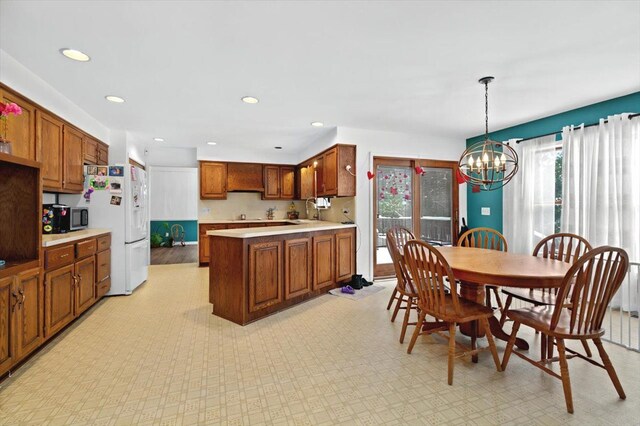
(425, 203)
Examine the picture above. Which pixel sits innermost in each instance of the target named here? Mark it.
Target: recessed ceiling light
(158, 139)
(76, 55)
(116, 99)
(212, 143)
(317, 124)
(277, 147)
(250, 100)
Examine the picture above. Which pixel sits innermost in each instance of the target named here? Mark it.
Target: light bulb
(478, 163)
(497, 162)
(503, 158)
(485, 158)
(470, 162)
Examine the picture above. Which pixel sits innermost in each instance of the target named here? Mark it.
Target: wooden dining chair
(485, 238)
(404, 293)
(438, 297)
(562, 246)
(580, 306)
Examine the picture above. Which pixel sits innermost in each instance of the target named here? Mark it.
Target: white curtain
(529, 199)
(601, 190)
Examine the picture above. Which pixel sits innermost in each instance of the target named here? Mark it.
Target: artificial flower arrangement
(5, 111)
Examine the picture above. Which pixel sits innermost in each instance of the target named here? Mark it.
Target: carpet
(360, 294)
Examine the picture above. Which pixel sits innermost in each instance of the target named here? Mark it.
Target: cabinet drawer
(103, 288)
(104, 242)
(60, 256)
(103, 268)
(85, 248)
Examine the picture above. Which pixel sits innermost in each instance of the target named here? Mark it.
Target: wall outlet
(345, 211)
(485, 211)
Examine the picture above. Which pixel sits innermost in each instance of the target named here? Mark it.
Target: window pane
(395, 205)
(436, 205)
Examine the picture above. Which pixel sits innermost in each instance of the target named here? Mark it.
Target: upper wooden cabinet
(21, 129)
(279, 182)
(49, 131)
(287, 182)
(335, 179)
(305, 182)
(103, 154)
(244, 177)
(72, 158)
(90, 150)
(213, 180)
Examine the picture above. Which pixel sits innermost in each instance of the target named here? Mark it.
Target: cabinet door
(323, 261)
(21, 129)
(244, 177)
(318, 170)
(271, 182)
(58, 299)
(73, 178)
(265, 275)
(103, 266)
(213, 181)
(287, 182)
(29, 319)
(305, 182)
(103, 154)
(8, 303)
(50, 140)
(297, 267)
(345, 256)
(330, 172)
(203, 241)
(86, 284)
(90, 150)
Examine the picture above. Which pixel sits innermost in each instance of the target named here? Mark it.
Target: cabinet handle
(21, 291)
(103, 264)
(64, 255)
(15, 295)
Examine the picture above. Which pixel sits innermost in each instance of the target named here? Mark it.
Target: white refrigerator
(125, 211)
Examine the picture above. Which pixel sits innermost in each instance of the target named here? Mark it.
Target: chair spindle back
(397, 238)
(485, 238)
(563, 246)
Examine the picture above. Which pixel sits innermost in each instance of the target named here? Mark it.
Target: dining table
(477, 267)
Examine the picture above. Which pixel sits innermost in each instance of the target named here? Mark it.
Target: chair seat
(534, 296)
(539, 318)
(470, 311)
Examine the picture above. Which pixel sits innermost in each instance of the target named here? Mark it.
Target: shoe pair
(357, 282)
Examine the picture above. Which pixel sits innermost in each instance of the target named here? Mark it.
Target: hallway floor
(160, 357)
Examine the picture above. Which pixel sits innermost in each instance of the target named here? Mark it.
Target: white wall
(173, 193)
(171, 157)
(372, 143)
(21, 79)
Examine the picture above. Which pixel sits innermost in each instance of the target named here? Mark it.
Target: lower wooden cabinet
(265, 275)
(85, 284)
(345, 256)
(323, 261)
(59, 299)
(29, 332)
(8, 302)
(297, 267)
(203, 241)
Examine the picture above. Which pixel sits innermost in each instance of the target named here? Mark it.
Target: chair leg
(609, 367)
(543, 347)
(407, 313)
(503, 315)
(474, 334)
(587, 350)
(392, 298)
(452, 351)
(492, 344)
(510, 344)
(550, 347)
(398, 305)
(496, 293)
(564, 373)
(416, 332)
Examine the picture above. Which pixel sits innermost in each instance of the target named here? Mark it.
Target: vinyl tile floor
(159, 357)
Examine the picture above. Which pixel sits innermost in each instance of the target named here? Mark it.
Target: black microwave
(59, 219)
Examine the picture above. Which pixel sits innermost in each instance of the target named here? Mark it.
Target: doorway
(426, 203)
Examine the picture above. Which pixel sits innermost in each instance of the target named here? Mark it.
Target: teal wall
(587, 114)
(190, 228)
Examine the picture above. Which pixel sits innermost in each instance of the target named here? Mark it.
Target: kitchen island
(254, 272)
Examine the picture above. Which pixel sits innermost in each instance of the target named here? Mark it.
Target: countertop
(214, 221)
(49, 240)
(303, 225)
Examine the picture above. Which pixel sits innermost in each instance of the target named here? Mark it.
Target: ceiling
(397, 66)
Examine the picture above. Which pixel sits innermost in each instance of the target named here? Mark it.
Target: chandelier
(488, 164)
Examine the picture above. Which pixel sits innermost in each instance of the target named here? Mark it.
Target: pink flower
(12, 108)
(394, 191)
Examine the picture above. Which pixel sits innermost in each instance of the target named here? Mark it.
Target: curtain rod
(555, 133)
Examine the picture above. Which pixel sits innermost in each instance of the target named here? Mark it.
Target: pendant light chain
(486, 110)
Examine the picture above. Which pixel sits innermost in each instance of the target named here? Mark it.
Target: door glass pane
(394, 205)
(436, 205)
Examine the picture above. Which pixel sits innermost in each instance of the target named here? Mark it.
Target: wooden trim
(135, 163)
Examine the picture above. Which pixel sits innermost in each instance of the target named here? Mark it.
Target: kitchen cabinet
(323, 261)
(21, 129)
(213, 180)
(28, 326)
(345, 256)
(244, 177)
(326, 174)
(103, 154)
(203, 240)
(49, 131)
(279, 182)
(90, 150)
(73, 177)
(59, 299)
(305, 188)
(8, 303)
(85, 284)
(297, 267)
(265, 275)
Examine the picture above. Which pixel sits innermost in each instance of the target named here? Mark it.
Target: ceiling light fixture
(317, 124)
(488, 164)
(116, 99)
(76, 55)
(158, 139)
(212, 143)
(250, 100)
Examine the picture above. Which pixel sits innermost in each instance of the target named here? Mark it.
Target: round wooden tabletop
(484, 266)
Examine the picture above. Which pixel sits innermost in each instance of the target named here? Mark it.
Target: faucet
(315, 204)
